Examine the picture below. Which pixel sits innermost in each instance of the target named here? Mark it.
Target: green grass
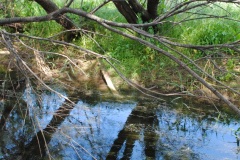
(136, 59)
(213, 31)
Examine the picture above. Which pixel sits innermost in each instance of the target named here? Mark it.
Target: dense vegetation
(76, 49)
(211, 24)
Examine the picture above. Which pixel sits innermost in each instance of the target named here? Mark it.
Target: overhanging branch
(183, 7)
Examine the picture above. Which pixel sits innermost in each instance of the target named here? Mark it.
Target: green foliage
(88, 6)
(230, 64)
(226, 77)
(31, 8)
(162, 7)
(171, 30)
(111, 13)
(212, 32)
(43, 29)
(128, 52)
(135, 58)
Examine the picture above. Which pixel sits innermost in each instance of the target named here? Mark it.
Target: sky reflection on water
(127, 130)
(95, 127)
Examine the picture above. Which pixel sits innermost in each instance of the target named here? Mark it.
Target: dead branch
(23, 66)
(180, 63)
(180, 8)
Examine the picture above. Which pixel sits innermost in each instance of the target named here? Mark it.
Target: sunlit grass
(135, 58)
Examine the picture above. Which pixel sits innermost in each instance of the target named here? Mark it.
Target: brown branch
(187, 58)
(180, 63)
(180, 8)
(61, 19)
(100, 6)
(69, 3)
(22, 64)
(108, 24)
(26, 19)
(50, 7)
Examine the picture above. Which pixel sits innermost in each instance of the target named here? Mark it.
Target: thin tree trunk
(63, 20)
(139, 9)
(125, 9)
(131, 9)
(49, 7)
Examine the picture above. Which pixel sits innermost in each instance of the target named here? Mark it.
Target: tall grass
(134, 57)
(213, 31)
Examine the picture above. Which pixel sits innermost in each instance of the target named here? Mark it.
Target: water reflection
(52, 129)
(138, 133)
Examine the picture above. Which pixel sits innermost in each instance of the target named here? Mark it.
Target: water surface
(113, 130)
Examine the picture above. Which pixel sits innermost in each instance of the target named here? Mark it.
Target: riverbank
(87, 77)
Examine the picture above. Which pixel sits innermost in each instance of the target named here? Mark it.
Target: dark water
(43, 127)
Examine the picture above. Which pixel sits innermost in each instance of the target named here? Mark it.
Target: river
(44, 127)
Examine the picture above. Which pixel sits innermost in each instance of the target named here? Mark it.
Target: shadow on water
(141, 125)
(49, 128)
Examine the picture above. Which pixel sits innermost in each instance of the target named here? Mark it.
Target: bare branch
(69, 3)
(100, 6)
(180, 63)
(8, 43)
(180, 8)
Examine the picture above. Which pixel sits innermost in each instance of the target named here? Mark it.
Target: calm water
(108, 130)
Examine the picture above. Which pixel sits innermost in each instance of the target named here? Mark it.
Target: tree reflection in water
(105, 130)
(142, 121)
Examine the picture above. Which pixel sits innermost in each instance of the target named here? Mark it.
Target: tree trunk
(138, 9)
(152, 7)
(49, 7)
(63, 20)
(131, 8)
(125, 9)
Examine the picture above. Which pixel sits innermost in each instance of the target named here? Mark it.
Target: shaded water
(109, 130)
